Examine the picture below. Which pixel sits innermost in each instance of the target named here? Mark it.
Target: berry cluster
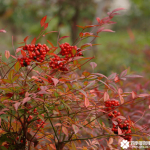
(35, 52)
(124, 126)
(40, 124)
(68, 52)
(58, 63)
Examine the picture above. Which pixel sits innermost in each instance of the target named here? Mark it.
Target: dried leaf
(7, 54)
(110, 140)
(75, 128)
(87, 103)
(93, 64)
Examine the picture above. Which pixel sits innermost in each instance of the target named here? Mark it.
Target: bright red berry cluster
(58, 63)
(35, 52)
(68, 51)
(124, 126)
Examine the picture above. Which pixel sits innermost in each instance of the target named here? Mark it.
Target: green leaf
(7, 80)
(17, 66)
(15, 78)
(74, 51)
(56, 94)
(66, 105)
(10, 75)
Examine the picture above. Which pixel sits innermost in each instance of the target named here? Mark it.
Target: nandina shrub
(46, 104)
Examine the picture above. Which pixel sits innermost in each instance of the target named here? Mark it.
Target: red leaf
(112, 76)
(75, 128)
(46, 25)
(33, 41)
(52, 146)
(50, 32)
(80, 26)
(143, 95)
(121, 117)
(23, 53)
(98, 19)
(133, 76)
(42, 22)
(119, 131)
(13, 56)
(2, 31)
(106, 96)
(86, 102)
(120, 91)
(58, 124)
(89, 26)
(64, 129)
(123, 73)
(86, 45)
(81, 34)
(25, 39)
(117, 9)
(55, 81)
(107, 30)
(100, 29)
(18, 50)
(93, 64)
(121, 99)
(116, 79)
(16, 105)
(63, 37)
(7, 54)
(134, 95)
(26, 100)
(50, 43)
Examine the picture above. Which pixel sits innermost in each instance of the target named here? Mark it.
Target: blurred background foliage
(128, 47)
